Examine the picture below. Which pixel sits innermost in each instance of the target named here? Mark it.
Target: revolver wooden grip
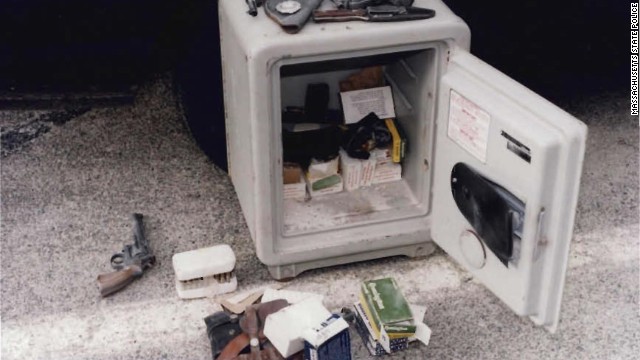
(112, 282)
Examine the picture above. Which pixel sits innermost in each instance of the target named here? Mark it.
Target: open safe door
(506, 179)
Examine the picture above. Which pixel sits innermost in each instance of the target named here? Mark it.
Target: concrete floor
(69, 187)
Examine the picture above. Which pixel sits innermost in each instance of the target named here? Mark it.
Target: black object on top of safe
(494, 213)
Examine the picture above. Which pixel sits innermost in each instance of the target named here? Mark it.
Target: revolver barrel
(139, 240)
(253, 7)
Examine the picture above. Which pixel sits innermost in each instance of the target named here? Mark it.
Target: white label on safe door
(359, 103)
(468, 126)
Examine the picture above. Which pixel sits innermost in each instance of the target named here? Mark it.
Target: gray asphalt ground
(69, 186)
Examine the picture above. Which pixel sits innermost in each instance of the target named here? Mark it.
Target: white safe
(491, 173)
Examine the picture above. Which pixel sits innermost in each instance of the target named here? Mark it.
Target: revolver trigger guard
(149, 262)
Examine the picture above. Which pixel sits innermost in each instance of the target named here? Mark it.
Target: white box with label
(491, 172)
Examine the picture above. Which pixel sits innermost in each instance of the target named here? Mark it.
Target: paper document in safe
(357, 104)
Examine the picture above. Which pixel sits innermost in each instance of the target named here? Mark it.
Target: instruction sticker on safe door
(468, 126)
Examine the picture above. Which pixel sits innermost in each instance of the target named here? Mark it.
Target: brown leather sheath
(234, 347)
(252, 324)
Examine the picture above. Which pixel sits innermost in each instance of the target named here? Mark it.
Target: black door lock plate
(495, 214)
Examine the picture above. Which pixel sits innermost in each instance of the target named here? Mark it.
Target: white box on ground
(284, 328)
(328, 340)
(205, 272)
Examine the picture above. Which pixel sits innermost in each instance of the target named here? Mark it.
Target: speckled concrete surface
(67, 195)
